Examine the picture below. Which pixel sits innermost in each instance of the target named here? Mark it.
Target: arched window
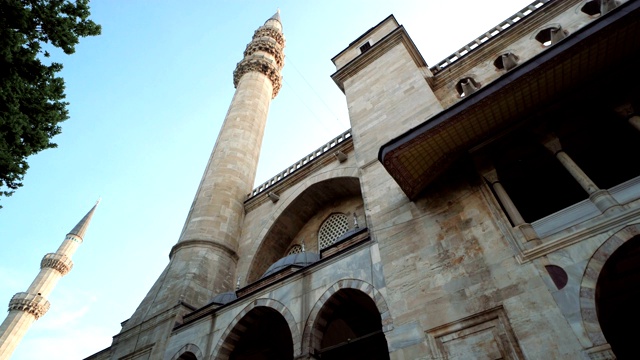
(331, 229)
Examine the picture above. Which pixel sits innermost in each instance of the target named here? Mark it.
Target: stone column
(491, 175)
(601, 198)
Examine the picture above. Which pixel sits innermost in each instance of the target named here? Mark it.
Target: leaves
(31, 95)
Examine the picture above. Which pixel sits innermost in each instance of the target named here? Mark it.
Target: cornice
(300, 174)
(378, 49)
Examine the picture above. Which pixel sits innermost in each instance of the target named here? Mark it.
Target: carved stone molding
(273, 33)
(263, 65)
(59, 262)
(35, 305)
(267, 45)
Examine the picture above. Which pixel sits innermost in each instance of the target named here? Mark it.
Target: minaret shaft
(203, 262)
(27, 307)
(218, 208)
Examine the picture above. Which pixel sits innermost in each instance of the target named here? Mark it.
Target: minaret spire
(206, 252)
(27, 307)
(82, 226)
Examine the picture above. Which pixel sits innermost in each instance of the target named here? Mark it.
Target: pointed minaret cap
(272, 20)
(82, 226)
(276, 16)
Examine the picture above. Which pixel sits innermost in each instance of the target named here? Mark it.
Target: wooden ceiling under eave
(420, 155)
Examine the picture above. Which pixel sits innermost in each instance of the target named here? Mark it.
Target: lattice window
(332, 229)
(295, 249)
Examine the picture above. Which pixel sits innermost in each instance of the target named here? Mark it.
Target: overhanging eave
(420, 155)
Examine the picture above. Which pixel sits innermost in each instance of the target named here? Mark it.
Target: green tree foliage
(31, 95)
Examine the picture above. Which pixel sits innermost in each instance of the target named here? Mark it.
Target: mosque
(485, 207)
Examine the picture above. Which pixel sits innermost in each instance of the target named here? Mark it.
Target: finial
(276, 16)
(302, 244)
(98, 202)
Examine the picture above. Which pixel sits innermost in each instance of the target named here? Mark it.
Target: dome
(300, 259)
(224, 298)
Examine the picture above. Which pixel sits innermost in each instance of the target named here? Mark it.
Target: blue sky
(147, 98)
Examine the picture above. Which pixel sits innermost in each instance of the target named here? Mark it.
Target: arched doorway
(262, 334)
(350, 327)
(617, 297)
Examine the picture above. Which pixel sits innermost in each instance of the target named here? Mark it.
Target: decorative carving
(263, 65)
(268, 45)
(59, 262)
(271, 32)
(35, 305)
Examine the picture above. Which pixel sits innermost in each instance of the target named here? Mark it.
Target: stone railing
(59, 262)
(35, 305)
(301, 163)
(480, 40)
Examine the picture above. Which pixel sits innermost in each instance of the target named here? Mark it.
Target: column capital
(35, 305)
(552, 143)
(490, 175)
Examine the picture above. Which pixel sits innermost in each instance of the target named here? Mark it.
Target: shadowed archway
(348, 325)
(263, 330)
(617, 297)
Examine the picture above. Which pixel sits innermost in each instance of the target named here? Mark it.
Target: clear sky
(147, 98)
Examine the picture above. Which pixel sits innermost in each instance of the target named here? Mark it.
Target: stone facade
(445, 254)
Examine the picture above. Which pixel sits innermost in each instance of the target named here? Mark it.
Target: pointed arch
(311, 338)
(590, 279)
(231, 336)
(189, 351)
(291, 212)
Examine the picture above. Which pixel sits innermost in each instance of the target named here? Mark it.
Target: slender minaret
(27, 307)
(203, 261)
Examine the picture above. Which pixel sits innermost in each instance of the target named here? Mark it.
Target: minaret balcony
(35, 305)
(59, 262)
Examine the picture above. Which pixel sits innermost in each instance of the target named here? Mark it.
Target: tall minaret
(203, 261)
(27, 307)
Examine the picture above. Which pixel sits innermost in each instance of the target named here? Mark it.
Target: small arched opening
(188, 356)
(617, 297)
(551, 35)
(262, 334)
(349, 326)
(467, 86)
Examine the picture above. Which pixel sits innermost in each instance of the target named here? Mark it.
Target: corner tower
(26, 307)
(203, 261)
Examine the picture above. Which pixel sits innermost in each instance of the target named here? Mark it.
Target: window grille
(332, 229)
(295, 249)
